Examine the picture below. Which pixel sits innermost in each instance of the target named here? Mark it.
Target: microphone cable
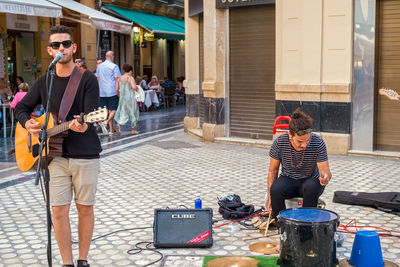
(137, 249)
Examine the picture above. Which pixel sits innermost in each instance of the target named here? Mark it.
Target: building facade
(96, 29)
(156, 44)
(22, 36)
(248, 62)
(24, 28)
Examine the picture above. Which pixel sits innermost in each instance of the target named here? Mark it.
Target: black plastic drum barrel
(308, 237)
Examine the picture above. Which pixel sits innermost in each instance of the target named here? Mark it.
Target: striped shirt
(315, 152)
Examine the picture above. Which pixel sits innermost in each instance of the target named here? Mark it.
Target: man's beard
(65, 60)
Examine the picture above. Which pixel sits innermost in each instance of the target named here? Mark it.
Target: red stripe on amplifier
(200, 238)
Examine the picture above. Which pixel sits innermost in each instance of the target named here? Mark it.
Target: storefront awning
(97, 19)
(40, 8)
(163, 27)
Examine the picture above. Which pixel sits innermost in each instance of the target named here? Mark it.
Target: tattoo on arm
(272, 175)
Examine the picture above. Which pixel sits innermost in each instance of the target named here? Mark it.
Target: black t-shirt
(76, 145)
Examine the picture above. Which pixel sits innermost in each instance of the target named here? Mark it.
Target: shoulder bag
(139, 94)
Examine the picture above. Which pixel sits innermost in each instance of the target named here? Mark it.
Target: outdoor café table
(150, 97)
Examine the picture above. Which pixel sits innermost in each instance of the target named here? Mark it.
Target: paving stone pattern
(168, 171)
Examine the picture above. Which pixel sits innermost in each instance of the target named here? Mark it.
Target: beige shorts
(73, 176)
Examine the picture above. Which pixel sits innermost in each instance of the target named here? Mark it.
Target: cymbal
(264, 247)
(233, 262)
(345, 263)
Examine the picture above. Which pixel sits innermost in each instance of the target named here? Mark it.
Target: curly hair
(127, 67)
(60, 29)
(300, 123)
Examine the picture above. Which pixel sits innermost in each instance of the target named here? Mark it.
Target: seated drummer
(305, 168)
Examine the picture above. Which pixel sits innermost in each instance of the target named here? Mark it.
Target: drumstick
(268, 222)
(257, 237)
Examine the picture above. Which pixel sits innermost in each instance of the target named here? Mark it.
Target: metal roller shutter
(201, 68)
(387, 136)
(252, 71)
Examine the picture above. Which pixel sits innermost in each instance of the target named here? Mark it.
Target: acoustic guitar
(389, 93)
(27, 146)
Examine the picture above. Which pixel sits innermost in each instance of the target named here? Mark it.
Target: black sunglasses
(56, 45)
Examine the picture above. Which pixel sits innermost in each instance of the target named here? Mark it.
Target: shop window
(105, 43)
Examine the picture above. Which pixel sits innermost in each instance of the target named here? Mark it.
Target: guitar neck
(60, 128)
(389, 93)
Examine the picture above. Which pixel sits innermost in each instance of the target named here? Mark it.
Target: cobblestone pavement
(167, 169)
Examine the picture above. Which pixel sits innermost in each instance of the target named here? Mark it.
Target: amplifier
(182, 228)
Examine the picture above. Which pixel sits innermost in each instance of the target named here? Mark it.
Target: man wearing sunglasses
(80, 63)
(305, 169)
(76, 171)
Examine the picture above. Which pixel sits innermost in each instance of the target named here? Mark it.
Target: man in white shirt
(108, 74)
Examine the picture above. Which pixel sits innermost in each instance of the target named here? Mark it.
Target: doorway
(170, 60)
(21, 57)
(252, 71)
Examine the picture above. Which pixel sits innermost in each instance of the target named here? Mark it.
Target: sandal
(134, 132)
(272, 225)
(256, 221)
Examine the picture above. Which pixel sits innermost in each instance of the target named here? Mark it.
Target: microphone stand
(46, 173)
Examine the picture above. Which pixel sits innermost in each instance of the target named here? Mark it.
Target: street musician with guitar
(76, 169)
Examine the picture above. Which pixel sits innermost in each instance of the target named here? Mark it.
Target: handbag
(139, 94)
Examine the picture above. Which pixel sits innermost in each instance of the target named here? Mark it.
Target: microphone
(58, 56)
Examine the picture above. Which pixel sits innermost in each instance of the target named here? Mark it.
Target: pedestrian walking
(76, 171)
(107, 74)
(128, 109)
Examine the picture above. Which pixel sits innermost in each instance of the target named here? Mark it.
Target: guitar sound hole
(35, 150)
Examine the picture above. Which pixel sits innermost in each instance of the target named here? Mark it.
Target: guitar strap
(69, 95)
(55, 143)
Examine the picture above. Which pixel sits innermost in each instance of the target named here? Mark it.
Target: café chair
(169, 95)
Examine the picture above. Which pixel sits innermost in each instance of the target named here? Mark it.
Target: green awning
(169, 36)
(163, 27)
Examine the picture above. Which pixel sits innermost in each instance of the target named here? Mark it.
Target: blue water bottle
(197, 202)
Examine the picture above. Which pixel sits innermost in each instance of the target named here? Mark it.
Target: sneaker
(82, 263)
